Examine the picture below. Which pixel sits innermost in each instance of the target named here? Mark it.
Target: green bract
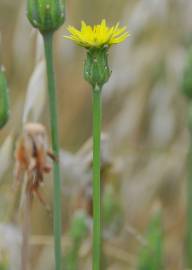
(4, 99)
(96, 69)
(46, 15)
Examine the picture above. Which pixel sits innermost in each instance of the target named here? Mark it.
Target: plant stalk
(26, 230)
(97, 112)
(48, 44)
(189, 208)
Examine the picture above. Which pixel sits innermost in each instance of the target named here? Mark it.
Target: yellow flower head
(97, 36)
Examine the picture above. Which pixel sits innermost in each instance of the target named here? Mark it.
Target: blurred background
(144, 143)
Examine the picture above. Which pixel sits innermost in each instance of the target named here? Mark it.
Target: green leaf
(4, 99)
(151, 256)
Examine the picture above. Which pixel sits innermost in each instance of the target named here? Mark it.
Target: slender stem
(25, 249)
(189, 209)
(96, 178)
(189, 195)
(48, 39)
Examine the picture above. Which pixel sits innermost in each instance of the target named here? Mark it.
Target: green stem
(96, 178)
(189, 209)
(48, 40)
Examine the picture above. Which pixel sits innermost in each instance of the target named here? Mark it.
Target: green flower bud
(46, 15)
(186, 85)
(4, 99)
(96, 69)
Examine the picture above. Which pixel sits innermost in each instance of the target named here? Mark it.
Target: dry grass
(144, 119)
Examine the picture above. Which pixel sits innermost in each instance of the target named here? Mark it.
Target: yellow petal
(98, 35)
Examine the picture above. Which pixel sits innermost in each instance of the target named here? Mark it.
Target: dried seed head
(34, 129)
(31, 155)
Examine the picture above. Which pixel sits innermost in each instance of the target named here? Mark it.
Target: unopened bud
(46, 15)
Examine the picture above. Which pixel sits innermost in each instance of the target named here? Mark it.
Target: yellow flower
(97, 36)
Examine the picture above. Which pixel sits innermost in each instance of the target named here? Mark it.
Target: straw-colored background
(146, 137)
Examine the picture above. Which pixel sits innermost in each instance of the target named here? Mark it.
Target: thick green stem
(48, 39)
(96, 178)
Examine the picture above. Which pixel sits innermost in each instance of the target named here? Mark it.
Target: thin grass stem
(189, 209)
(26, 230)
(48, 44)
